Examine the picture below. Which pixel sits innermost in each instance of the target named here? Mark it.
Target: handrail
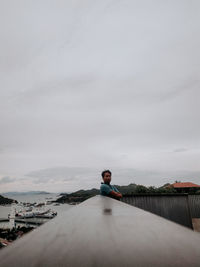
(105, 232)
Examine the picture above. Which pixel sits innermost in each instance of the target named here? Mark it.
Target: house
(185, 187)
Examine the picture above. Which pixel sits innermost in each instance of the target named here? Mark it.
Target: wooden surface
(105, 232)
(196, 224)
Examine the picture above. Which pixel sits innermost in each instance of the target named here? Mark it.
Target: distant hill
(26, 193)
(82, 195)
(6, 201)
(78, 196)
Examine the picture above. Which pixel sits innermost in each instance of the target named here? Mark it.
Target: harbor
(28, 214)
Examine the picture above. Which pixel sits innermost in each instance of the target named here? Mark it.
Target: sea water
(32, 198)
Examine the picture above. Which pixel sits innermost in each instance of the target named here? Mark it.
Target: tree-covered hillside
(5, 200)
(81, 195)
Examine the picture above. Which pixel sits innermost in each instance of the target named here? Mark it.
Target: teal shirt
(105, 189)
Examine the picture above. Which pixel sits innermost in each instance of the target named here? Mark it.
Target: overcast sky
(89, 85)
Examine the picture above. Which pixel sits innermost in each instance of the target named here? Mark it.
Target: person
(106, 188)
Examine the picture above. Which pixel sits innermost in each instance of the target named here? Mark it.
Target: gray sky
(88, 85)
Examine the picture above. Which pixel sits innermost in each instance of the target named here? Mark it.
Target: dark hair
(103, 173)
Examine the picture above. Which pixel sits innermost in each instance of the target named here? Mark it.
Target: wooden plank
(105, 232)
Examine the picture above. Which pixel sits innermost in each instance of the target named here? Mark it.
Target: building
(185, 187)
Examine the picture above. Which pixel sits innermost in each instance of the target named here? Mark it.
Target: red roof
(183, 185)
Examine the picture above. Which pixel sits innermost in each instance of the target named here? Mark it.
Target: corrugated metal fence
(176, 208)
(194, 204)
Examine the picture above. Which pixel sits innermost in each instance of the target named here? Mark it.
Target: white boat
(37, 214)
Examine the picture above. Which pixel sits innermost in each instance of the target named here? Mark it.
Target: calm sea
(32, 198)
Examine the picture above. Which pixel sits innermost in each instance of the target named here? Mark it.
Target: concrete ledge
(105, 232)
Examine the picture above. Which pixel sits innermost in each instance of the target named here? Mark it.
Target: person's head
(106, 176)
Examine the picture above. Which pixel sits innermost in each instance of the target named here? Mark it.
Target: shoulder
(114, 188)
(105, 189)
(104, 186)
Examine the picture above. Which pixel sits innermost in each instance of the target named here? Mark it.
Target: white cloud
(104, 83)
(6, 180)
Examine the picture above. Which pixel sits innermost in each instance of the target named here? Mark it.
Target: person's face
(107, 178)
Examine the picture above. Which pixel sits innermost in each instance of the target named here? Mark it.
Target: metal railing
(174, 207)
